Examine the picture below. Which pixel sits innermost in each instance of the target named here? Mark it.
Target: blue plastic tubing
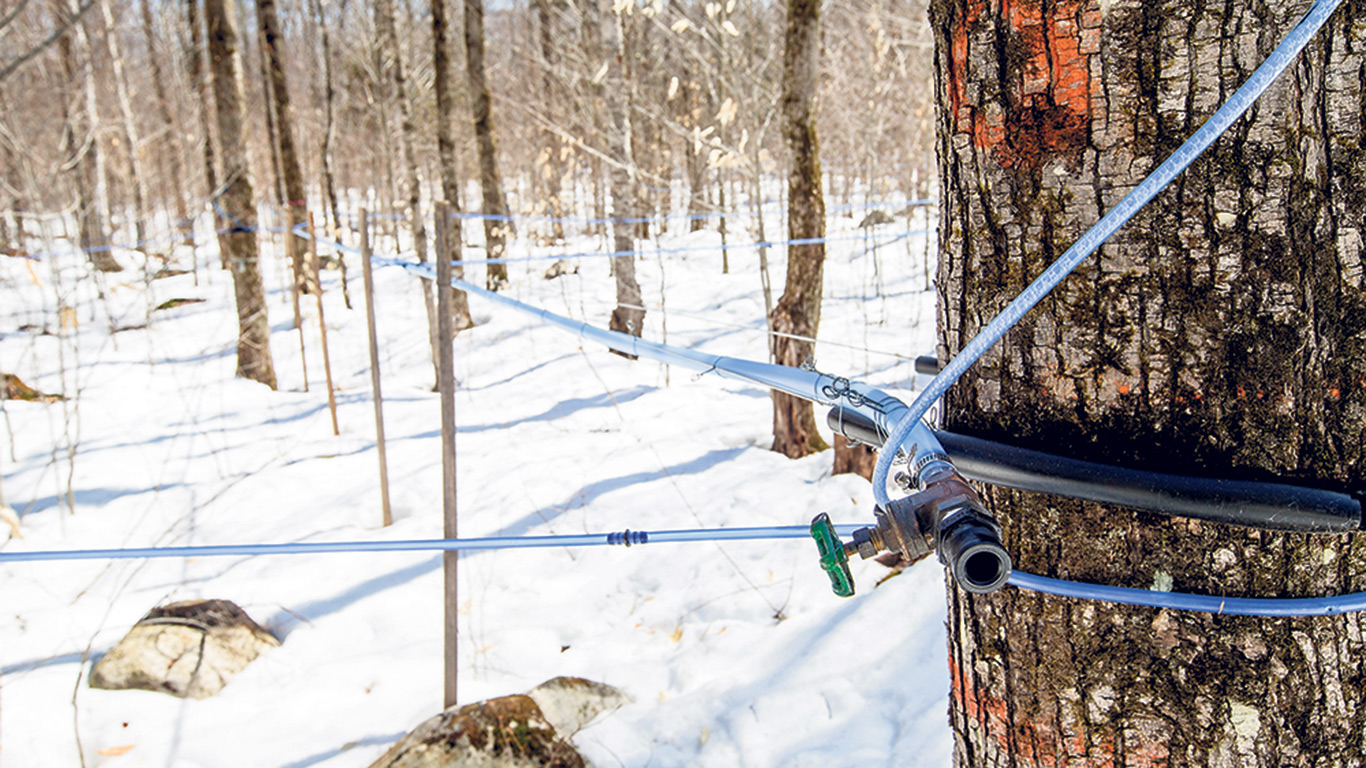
(882, 408)
(1237, 104)
(624, 538)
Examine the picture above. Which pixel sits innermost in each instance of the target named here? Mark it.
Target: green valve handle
(833, 559)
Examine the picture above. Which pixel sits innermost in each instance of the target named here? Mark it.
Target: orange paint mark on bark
(1124, 389)
(1048, 107)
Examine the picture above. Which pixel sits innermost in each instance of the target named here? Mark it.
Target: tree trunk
(200, 81)
(329, 131)
(392, 60)
(799, 309)
(175, 154)
(80, 146)
(268, 96)
(293, 176)
(450, 171)
(1220, 333)
(552, 162)
(238, 240)
(137, 182)
(496, 228)
(627, 317)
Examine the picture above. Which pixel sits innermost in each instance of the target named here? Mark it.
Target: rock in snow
(189, 649)
(570, 703)
(506, 732)
(518, 731)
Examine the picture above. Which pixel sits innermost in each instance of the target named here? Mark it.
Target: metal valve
(946, 518)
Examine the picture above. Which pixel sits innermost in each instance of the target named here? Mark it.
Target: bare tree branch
(52, 38)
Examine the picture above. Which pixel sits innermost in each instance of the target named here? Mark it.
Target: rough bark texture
(490, 183)
(1221, 333)
(283, 111)
(445, 147)
(799, 309)
(238, 239)
(627, 317)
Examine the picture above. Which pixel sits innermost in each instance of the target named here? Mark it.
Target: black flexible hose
(1269, 506)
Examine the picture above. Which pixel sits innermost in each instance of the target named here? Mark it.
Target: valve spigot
(947, 518)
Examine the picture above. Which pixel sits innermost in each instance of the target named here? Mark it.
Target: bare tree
(132, 141)
(80, 149)
(799, 309)
(199, 79)
(496, 227)
(170, 127)
(295, 199)
(628, 316)
(238, 241)
(445, 144)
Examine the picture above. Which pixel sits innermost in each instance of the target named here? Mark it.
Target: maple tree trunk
(237, 241)
(445, 146)
(292, 174)
(799, 309)
(496, 229)
(1222, 333)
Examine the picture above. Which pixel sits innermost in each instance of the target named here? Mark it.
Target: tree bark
(292, 174)
(799, 308)
(329, 131)
(392, 66)
(1221, 333)
(627, 317)
(496, 230)
(174, 156)
(137, 182)
(80, 146)
(450, 170)
(552, 161)
(238, 240)
(200, 80)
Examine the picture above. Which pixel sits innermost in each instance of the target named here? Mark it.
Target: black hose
(1268, 506)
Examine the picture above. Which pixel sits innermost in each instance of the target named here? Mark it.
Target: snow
(734, 654)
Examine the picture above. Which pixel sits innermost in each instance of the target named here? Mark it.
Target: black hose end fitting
(970, 545)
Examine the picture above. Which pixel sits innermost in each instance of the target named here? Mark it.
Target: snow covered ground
(735, 654)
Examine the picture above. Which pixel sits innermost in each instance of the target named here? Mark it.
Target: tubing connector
(947, 518)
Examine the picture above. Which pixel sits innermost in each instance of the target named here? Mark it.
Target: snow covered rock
(506, 732)
(570, 703)
(189, 649)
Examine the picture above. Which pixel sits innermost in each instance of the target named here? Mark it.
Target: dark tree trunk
(799, 309)
(496, 230)
(1221, 333)
(445, 147)
(290, 170)
(238, 239)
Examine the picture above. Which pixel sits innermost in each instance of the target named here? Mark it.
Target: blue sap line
(626, 538)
